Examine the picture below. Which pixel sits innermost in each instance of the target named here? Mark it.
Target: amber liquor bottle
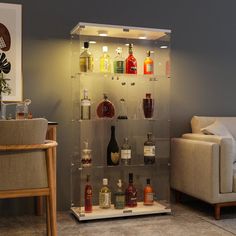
(148, 194)
(148, 64)
(131, 62)
(88, 202)
(131, 193)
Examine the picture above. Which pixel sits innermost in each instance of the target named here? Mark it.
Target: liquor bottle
(119, 62)
(125, 152)
(148, 64)
(105, 61)
(86, 59)
(131, 62)
(119, 196)
(85, 107)
(86, 159)
(113, 150)
(148, 194)
(105, 108)
(131, 193)
(149, 150)
(105, 195)
(122, 110)
(148, 106)
(88, 202)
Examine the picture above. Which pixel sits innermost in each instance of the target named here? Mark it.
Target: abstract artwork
(11, 50)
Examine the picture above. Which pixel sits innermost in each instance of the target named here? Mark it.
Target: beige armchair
(203, 166)
(27, 166)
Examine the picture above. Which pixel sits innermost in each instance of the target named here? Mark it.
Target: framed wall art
(11, 50)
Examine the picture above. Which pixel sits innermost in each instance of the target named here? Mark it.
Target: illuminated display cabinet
(141, 101)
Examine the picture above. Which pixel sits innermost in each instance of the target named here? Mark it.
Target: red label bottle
(131, 62)
(131, 193)
(88, 202)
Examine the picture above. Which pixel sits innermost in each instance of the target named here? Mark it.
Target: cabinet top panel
(118, 31)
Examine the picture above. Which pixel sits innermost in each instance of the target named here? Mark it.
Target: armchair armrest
(195, 168)
(227, 155)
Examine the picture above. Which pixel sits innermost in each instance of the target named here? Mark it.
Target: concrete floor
(184, 221)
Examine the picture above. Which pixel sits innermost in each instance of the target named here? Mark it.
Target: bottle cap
(131, 177)
(85, 144)
(148, 95)
(148, 53)
(105, 49)
(86, 44)
(126, 140)
(149, 135)
(88, 177)
(105, 181)
(148, 181)
(119, 50)
(85, 92)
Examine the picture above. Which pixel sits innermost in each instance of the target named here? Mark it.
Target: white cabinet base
(99, 213)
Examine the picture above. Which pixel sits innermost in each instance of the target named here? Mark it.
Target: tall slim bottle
(148, 194)
(113, 150)
(105, 61)
(125, 153)
(131, 193)
(119, 196)
(119, 62)
(88, 202)
(86, 59)
(131, 62)
(85, 107)
(105, 195)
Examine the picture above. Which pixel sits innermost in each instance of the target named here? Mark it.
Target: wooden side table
(51, 135)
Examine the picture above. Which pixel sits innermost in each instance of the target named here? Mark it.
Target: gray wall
(203, 58)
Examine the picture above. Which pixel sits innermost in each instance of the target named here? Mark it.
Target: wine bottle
(88, 203)
(148, 106)
(86, 59)
(119, 196)
(149, 150)
(105, 195)
(131, 193)
(148, 64)
(119, 62)
(113, 150)
(105, 61)
(125, 152)
(131, 62)
(85, 107)
(148, 194)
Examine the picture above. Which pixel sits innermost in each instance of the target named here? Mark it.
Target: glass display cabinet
(120, 82)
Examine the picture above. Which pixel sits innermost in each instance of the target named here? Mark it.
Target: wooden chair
(27, 164)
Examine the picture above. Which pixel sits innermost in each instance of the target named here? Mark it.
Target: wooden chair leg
(39, 206)
(217, 211)
(52, 196)
(48, 217)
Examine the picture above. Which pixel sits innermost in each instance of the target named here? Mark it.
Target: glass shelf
(116, 76)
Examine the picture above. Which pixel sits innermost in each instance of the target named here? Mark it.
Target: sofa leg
(217, 211)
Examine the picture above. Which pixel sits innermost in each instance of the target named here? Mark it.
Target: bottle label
(126, 154)
(115, 157)
(85, 102)
(149, 197)
(119, 66)
(105, 199)
(149, 151)
(131, 198)
(149, 68)
(120, 201)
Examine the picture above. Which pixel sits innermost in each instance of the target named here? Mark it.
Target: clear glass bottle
(105, 61)
(131, 62)
(119, 62)
(122, 110)
(105, 108)
(85, 107)
(88, 192)
(86, 158)
(113, 155)
(105, 195)
(148, 64)
(148, 194)
(86, 59)
(119, 196)
(125, 152)
(148, 106)
(149, 150)
(131, 193)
